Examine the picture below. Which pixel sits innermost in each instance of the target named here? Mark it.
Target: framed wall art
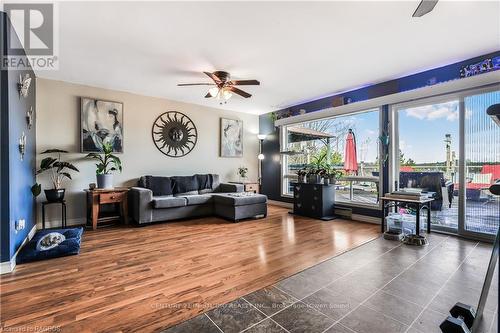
(101, 122)
(231, 138)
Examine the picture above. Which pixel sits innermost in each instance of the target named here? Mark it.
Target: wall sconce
(261, 156)
(23, 85)
(29, 117)
(22, 145)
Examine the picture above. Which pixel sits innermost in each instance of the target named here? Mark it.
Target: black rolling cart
(63, 212)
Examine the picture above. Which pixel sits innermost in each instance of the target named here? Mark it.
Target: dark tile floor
(380, 287)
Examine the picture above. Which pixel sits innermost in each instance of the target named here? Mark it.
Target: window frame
(284, 157)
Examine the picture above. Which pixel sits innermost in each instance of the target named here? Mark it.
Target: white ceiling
(298, 50)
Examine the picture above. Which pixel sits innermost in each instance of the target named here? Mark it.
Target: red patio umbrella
(351, 160)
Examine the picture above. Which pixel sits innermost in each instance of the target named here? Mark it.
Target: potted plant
(335, 175)
(58, 171)
(301, 175)
(242, 171)
(107, 163)
(313, 176)
(323, 173)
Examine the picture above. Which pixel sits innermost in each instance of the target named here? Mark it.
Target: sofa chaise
(159, 198)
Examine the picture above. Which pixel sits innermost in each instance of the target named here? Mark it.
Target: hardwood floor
(146, 279)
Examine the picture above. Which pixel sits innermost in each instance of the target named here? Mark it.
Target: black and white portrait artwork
(101, 123)
(231, 138)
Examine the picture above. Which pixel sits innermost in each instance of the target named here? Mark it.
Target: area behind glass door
(482, 164)
(428, 157)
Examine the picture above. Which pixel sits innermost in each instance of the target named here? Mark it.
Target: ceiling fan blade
(244, 82)
(424, 7)
(195, 84)
(213, 77)
(239, 91)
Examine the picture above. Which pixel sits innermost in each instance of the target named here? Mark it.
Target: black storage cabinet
(314, 200)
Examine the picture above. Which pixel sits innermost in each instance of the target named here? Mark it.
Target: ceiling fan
(424, 7)
(224, 87)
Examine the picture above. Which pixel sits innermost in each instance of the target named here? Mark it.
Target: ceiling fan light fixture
(214, 91)
(226, 94)
(223, 87)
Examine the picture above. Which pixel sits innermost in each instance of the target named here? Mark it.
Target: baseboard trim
(365, 218)
(69, 222)
(10, 266)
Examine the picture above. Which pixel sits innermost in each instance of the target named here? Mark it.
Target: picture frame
(101, 121)
(231, 137)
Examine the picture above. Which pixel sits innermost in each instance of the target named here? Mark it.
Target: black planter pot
(54, 195)
(313, 179)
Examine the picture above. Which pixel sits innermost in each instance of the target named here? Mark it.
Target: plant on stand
(316, 170)
(333, 175)
(301, 175)
(312, 175)
(242, 172)
(59, 170)
(322, 175)
(107, 163)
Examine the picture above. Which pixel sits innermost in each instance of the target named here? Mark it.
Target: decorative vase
(105, 181)
(326, 181)
(333, 180)
(54, 195)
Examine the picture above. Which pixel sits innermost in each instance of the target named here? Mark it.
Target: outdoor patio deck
(481, 216)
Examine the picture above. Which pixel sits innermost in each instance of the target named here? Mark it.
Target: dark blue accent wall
(17, 176)
(271, 173)
(4, 153)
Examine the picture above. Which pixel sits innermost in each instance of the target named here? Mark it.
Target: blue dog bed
(70, 246)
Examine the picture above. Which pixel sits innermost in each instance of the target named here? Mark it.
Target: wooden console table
(98, 197)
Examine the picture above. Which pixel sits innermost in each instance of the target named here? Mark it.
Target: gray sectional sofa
(169, 198)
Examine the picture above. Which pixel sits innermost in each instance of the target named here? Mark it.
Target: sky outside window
(422, 131)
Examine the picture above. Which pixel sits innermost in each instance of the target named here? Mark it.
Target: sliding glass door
(428, 156)
(481, 165)
(451, 147)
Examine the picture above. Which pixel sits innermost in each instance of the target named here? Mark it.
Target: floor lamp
(261, 156)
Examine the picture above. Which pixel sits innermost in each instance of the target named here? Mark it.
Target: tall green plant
(107, 162)
(59, 170)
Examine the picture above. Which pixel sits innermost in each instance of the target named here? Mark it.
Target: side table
(249, 186)
(415, 239)
(98, 197)
(63, 212)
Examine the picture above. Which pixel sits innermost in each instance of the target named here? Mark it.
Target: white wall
(58, 126)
